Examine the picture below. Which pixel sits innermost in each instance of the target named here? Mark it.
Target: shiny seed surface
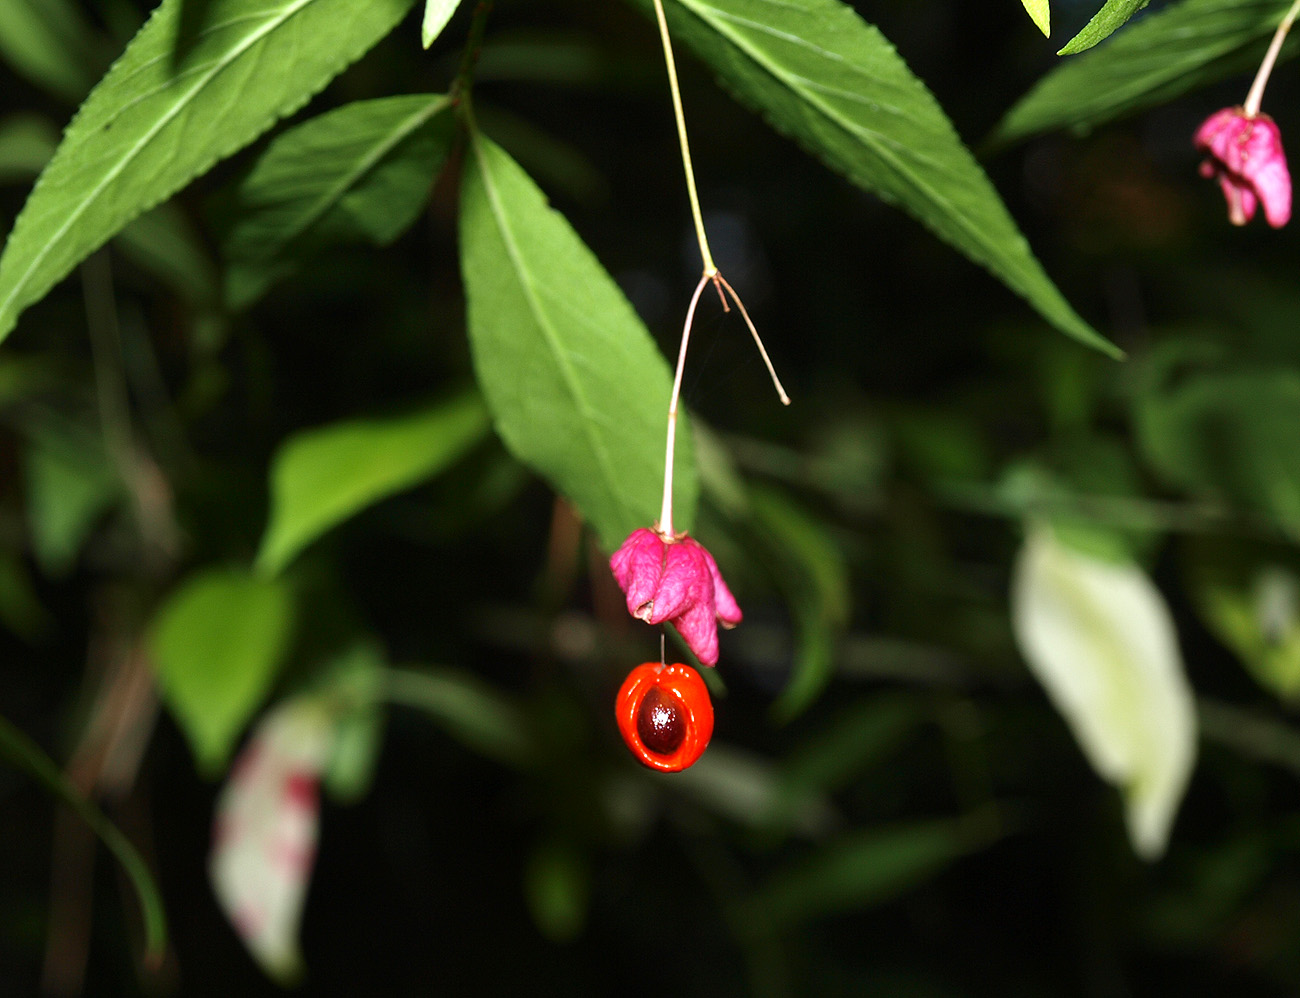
(660, 723)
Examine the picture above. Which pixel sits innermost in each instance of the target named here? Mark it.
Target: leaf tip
(1088, 336)
(8, 320)
(1040, 13)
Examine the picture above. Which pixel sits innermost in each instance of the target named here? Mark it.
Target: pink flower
(676, 580)
(1245, 153)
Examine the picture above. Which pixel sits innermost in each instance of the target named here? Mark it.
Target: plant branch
(462, 84)
(26, 755)
(1256, 95)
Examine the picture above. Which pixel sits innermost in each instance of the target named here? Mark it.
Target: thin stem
(1115, 511)
(720, 283)
(17, 748)
(758, 340)
(1256, 95)
(710, 274)
(462, 84)
(146, 485)
(666, 511)
(709, 268)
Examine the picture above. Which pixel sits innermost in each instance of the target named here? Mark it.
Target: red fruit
(665, 715)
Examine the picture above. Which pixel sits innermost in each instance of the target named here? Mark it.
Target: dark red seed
(659, 722)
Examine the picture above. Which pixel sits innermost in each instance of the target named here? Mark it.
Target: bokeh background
(927, 826)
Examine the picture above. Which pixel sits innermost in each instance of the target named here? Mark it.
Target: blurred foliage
(245, 463)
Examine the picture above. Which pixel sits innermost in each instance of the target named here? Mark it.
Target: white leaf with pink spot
(265, 829)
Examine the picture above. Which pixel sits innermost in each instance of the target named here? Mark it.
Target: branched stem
(709, 275)
(723, 288)
(1256, 94)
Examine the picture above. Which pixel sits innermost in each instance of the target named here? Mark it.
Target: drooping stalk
(1256, 94)
(710, 275)
(666, 510)
(705, 255)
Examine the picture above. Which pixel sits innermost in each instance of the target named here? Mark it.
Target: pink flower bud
(1245, 153)
(676, 580)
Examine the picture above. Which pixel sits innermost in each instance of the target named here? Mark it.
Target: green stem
(463, 82)
(705, 255)
(1125, 512)
(1256, 95)
(710, 274)
(665, 526)
(1249, 732)
(26, 755)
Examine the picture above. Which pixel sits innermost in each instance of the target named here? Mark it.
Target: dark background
(908, 366)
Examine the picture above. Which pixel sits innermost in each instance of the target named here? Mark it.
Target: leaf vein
(869, 137)
(589, 415)
(165, 119)
(332, 195)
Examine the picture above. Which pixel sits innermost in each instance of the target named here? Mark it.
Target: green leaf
(470, 710)
(1104, 23)
(359, 729)
(361, 172)
(859, 870)
(813, 576)
(577, 387)
(25, 754)
(1040, 11)
(1073, 485)
(321, 477)
(26, 143)
(436, 15)
(1250, 600)
(173, 105)
(858, 736)
(820, 74)
(161, 241)
(836, 752)
(216, 645)
(1170, 52)
(50, 43)
(1229, 436)
(358, 739)
(71, 484)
